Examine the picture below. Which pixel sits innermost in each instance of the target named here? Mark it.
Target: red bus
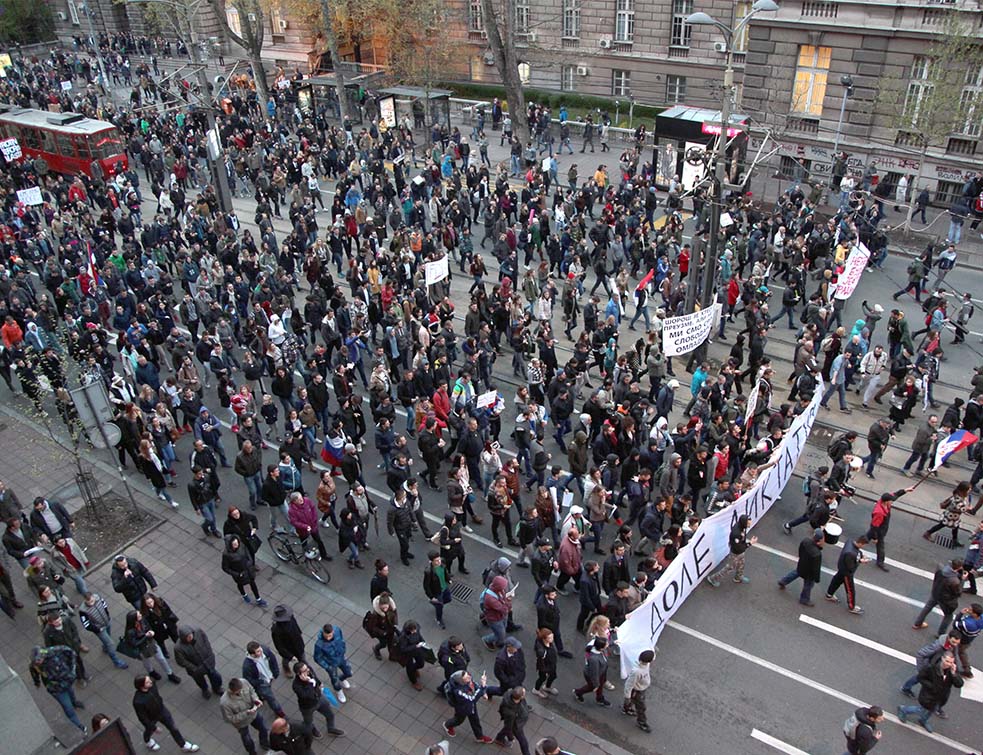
(67, 142)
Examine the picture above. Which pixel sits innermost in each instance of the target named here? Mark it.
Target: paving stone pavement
(383, 713)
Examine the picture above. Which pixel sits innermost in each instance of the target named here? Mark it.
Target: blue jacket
(329, 654)
(251, 675)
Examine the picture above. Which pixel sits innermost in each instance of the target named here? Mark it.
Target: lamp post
(87, 10)
(709, 262)
(216, 163)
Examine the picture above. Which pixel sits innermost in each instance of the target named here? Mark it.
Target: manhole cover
(462, 592)
(945, 540)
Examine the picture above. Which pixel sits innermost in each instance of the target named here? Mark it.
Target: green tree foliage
(25, 22)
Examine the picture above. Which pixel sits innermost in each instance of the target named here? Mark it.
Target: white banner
(856, 263)
(709, 546)
(680, 335)
(487, 399)
(30, 196)
(66, 86)
(752, 403)
(436, 271)
(10, 150)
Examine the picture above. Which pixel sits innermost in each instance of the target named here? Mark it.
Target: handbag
(125, 648)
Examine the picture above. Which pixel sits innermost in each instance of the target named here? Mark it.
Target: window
(276, 20)
(567, 77)
(624, 21)
(947, 192)
(621, 83)
(73, 13)
(740, 13)
(919, 88)
(521, 16)
(476, 21)
(681, 31)
(971, 102)
(232, 18)
(571, 18)
(793, 169)
(675, 89)
(810, 79)
(525, 71)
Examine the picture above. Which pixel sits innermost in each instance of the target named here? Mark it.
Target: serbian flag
(334, 449)
(959, 440)
(645, 281)
(93, 272)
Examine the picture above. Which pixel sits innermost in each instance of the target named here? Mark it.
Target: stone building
(794, 86)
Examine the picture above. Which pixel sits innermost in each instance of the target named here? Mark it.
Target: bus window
(65, 146)
(106, 144)
(48, 141)
(82, 147)
(30, 137)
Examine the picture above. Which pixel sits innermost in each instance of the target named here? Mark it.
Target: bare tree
(251, 15)
(499, 20)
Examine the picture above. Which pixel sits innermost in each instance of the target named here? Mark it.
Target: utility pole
(106, 88)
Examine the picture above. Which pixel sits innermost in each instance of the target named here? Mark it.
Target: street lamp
(847, 82)
(84, 8)
(720, 153)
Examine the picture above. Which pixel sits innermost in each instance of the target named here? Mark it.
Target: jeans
(921, 458)
(66, 699)
(838, 388)
(336, 679)
(80, 585)
(207, 512)
(324, 708)
(105, 636)
(807, 585)
(497, 636)
(916, 710)
(870, 460)
(927, 609)
(644, 312)
(283, 511)
(264, 735)
(254, 484)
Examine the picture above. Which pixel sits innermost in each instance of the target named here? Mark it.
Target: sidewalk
(383, 715)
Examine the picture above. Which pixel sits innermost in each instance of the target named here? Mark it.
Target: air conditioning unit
(581, 70)
(531, 37)
(605, 44)
(61, 16)
(283, 25)
(251, 17)
(489, 59)
(720, 47)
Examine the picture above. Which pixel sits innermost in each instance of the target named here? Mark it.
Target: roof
(417, 92)
(699, 115)
(328, 79)
(45, 119)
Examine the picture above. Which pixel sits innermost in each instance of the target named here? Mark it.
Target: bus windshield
(105, 144)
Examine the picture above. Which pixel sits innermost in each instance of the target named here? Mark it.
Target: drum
(832, 533)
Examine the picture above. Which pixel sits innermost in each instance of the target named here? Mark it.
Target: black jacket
(61, 514)
(510, 670)
(288, 639)
(514, 713)
(936, 685)
(308, 695)
(132, 587)
(548, 615)
(590, 592)
(614, 572)
(810, 565)
(195, 657)
(148, 706)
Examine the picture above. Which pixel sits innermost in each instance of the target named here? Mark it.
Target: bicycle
(288, 547)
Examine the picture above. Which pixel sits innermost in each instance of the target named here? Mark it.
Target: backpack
(837, 448)
(850, 727)
(807, 485)
(657, 475)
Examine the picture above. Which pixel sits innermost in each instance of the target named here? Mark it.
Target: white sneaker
(153, 746)
(188, 747)
(340, 694)
(174, 504)
(346, 684)
(311, 554)
(164, 498)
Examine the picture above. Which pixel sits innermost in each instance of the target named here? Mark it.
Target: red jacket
(882, 510)
(441, 405)
(496, 603)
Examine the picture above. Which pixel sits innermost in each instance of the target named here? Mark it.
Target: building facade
(623, 49)
(794, 87)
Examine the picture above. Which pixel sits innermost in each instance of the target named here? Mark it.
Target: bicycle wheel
(281, 546)
(318, 568)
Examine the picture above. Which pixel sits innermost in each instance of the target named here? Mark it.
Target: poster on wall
(387, 111)
(693, 173)
(665, 163)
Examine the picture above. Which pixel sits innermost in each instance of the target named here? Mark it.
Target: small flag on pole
(959, 440)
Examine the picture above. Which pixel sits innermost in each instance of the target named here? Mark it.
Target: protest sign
(66, 86)
(10, 150)
(436, 271)
(681, 335)
(709, 545)
(30, 196)
(487, 399)
(856, 263)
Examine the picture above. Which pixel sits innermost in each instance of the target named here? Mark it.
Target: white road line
(812, 684)
(860, 583)
(860, 640)
(776, 744)
(898, 565)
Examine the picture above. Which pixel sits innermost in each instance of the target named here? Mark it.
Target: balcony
(909, 139)
(803, 124)
(961, 146)
(678, 51)
(819, 9)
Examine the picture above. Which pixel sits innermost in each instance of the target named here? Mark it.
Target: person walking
(329, 654)
(131, 579)
(595, 673)
(969, 624)
(94, 616)
(953, 509)
(151, 712)
(514, 712)
(463, 695)
(946, 589)
(55, 667)
(638, 681)
(193, 652)
(436, 584)
(260, 668)
(809, 566)
(846, 566)
(739, 542)
(287, 638)
(861, 731)
(880, 521)
(238, 563)
(546, 659)
(240, 709)
(937, 680)
(497, 605)
(141, 643)
(311, 700)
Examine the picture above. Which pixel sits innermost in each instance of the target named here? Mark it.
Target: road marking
(897, 564)
(860, 583)
(859, 639)
(812, 684)
(776, 744)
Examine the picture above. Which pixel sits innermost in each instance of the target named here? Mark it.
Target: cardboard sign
(10, 149)
(66, 86)
(30, 196)
(436, 271)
